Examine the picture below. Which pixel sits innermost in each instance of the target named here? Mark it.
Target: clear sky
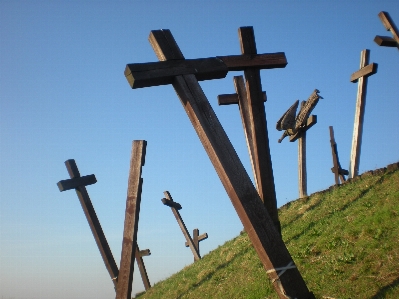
(63, 95)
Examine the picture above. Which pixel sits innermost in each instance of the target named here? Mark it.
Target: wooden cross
(243, 195)
(193, 244)
(360, 76)
(339, 172)
(389, 25)
(133, 200)
(78, 183)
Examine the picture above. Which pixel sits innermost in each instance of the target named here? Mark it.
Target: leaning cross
(193, 244)
(251, 100)
(196, 239)
(267, 241)
(133, 200)
(360, 76)
(339, 173)
(78, 183)
(389, 25)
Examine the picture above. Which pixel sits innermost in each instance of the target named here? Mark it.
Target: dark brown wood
(76, 182)
(182, 226)
(93, 221)
(310, 122)
(133, 200)
(256, 61)
(339, 173)
(244, 197)
(368, 70)
(385, 41)
(200, 238)
(232, 98)
(142, 269)
(257, 120)
(389, 24)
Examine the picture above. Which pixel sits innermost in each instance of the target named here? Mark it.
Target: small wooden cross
(196, 239)
(140, 263)
(193, 244)
(360, 76)
(389, 25)
(243, 195)
(338, 171)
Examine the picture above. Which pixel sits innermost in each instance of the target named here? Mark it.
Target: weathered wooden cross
(389, 25)
(339, 172)
(79, 184)
(261, 230)
(360, 76)
(296, 128)
(193, 242)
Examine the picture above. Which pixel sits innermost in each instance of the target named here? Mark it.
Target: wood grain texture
(94, 223)
(76, 182)
(232, 98)
(310, 122)
(257, 61)
(244, 197)
(133, 200)
(302, 174)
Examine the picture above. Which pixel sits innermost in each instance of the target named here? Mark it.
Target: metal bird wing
(287, 121)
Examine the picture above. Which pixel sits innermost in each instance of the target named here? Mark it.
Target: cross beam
(140, 263)
(360, 76)
(339, 173)
(389, 26)
(133, 200)
(78, 183)
(196, 239)
(243, 195)
(174, 206)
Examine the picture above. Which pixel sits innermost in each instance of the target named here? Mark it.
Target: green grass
(344, 242)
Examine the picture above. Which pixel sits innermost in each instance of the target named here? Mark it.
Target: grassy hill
(345, 242)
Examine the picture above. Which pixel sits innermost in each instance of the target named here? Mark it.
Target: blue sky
(63, 95)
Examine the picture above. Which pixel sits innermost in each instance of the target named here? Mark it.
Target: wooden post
(360, 76)
(302, 176)
(389, 26)
(175, 207)
(140, 263)
(196, 239)
(129, 244)
(339, 173)
(78, 183)
(261, 230)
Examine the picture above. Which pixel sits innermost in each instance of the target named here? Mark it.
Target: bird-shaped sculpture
(292, 124)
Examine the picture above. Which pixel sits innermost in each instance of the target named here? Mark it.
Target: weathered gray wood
(93, 221)
(232, 98)
(145, 252)
(359, 117)
(183, 227)
(76, 182)
(142, 269)
(245, 198)
(171, 204)
(302, 174)
(310, 122)
(133, 200)
(368, 70)
(385, 41)
(389, 24)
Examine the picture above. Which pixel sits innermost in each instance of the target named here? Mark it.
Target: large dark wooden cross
(79, 184)
(389, 25)
(192, 242)
(261, 230)
(339, 172)
(360, 76)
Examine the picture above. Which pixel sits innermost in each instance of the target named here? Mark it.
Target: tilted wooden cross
(339, 172)
(389, 25)
(360, 76)
(267, 241)
(193, 243)
(78, 183)
(296, 127)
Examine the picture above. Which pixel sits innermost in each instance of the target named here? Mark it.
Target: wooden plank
(368, 70)
(244, 197)
(359, 117)
(171, 204)
(200, 238)
(94, 223)
(232, 98)
(133, 200)
(257, 120)
(310, 122)
(142, 269)
(389, 24)
(76, 182)
(385, 41)
(182, 226)
(257, 61)
(334, 155)
(302, 174)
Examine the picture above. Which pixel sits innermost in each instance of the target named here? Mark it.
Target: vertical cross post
(361, 76)
(78, 183)
(389, 26)
(339, 173)
(140, 263)
(175, 207)
(245, 198)
(133, 200)
(196, 239)
(302, 176)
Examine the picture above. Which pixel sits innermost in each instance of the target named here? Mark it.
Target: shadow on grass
(385, 290)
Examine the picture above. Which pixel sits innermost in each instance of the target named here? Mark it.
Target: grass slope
(343, 240)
